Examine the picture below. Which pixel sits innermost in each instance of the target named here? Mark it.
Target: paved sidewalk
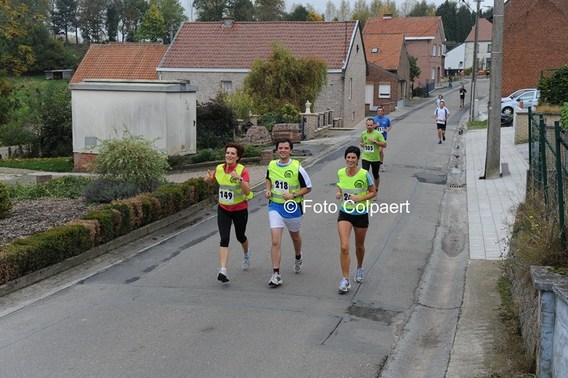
(491, 203)
(491, 212)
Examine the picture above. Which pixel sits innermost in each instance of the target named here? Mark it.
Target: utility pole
(474, 68)
(493, 151)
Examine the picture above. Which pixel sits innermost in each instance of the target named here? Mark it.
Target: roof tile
(127, 61)
(389, 49)
(410, 26)
(210, 45)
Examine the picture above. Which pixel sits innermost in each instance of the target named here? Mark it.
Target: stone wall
(526, 298)
(258, 135)
(287, 131)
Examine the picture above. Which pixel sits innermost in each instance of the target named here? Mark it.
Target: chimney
(387, 16)
(228, 22)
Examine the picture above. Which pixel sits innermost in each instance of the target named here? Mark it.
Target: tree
(152, 27)
(15, 56)
(414, 69)
(92, 20)
(270, 10)
(210, 10)
(64, 17)
(378, 8)
(112, 20)
(284, 79)
(423, 9)
(173, 14)
(344, 12)
(554, 89)
(242, 10)
(299, 13)
(360, 12)
(465, 20)
(130, 14)
(330, 11)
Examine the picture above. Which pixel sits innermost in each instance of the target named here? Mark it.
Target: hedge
(50, 247)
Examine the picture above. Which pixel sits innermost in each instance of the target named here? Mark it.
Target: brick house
(388, 82)
(485, 30)
(535, 39)
(217, 56)
(425, 39)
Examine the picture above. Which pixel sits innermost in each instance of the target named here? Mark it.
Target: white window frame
(227, 86)
(434, 47)
(384, 90)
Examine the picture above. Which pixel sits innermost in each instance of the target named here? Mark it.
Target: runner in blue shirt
(384, 126)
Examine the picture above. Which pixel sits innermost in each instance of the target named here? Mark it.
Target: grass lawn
(59, 164)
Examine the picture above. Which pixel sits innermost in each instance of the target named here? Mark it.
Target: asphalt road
(155, 308)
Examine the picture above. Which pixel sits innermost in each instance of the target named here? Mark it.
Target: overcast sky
(319, 5)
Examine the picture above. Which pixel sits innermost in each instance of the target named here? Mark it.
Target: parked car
(529, 98)
(516, 94)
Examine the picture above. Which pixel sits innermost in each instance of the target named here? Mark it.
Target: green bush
(554, 89)
(204, 155)
(269, 119)
(125, 217)
(106, 218)
(5, 202)
(290, 114)
(252, 151)
(240, 103)
(41, 250)
(60, 187)
(132, 160)
(216, 123)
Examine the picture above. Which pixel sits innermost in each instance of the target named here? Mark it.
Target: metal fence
(548, 169)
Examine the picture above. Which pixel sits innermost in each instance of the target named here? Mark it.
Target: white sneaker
(359, 275)
(222, 276)
(344, 286)
(275, 280)
(298, 265)
(246, 260)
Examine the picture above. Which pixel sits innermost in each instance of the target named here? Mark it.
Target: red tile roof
(388, 47)
(209, 45)
(128, 61)
(485, 31)
(412, 27)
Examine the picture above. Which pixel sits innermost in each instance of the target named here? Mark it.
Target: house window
(374, 50)
(434, 49)
(384, 90)
(440, 50)
(489, 47)
(227, 86)
(350, 88)
(433, 74)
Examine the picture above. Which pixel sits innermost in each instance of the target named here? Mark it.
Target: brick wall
(535, 38)
(82, 161)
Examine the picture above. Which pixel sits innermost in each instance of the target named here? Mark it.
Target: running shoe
(439, 142)
(444, 138)
(275, 280)
(222, 276)
(246, 261)
(359, 275)
(298, 265)
(344, 286)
